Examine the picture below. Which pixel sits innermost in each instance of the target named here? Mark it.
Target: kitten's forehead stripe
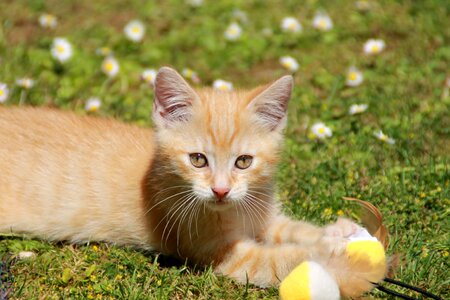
(223, 116)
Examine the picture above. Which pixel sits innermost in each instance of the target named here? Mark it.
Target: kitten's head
(224, 145)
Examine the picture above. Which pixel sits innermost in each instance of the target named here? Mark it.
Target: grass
(403, 86)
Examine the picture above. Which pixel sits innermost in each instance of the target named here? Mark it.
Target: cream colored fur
(79, 178)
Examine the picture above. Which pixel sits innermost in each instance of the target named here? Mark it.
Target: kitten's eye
(243, 162)
(198, 160)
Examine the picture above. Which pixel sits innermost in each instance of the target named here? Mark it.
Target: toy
(310, 281)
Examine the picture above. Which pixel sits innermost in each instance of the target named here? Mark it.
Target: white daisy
(357, 109)
(104, 51)
(290, 24)
(26, 83)
(149, 76)
(190, 74)
(194, 3)
(233, 32)
(354, 77)
(382, 137)
(4, 92)
(48, 21)
(61, 49)
(322, 21)
(374, 46)
(289, 63)
(320, 131)
(222, 85)
(92, 104)
(110, 66)
(134, 30)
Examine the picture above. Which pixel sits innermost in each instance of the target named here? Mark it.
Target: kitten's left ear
(270, 105)
(173, 98)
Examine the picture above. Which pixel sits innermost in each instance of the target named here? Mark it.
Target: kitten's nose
(220, 192)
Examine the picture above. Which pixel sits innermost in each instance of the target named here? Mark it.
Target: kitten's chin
(219, 206)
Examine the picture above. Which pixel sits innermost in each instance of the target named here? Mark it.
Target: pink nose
(220, 192)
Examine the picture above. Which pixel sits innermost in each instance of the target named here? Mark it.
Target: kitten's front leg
(267, 265)
(285, 230)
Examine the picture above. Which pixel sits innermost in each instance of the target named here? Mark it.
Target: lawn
(405, 173)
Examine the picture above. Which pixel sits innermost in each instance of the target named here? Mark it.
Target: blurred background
(369, 116)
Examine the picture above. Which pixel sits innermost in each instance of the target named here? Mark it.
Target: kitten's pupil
(198, 160)
(243, 161)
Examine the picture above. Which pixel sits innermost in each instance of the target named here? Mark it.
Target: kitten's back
(82, 173)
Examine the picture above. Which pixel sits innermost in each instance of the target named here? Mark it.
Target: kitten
(200, 186)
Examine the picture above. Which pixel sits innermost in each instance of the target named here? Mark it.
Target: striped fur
(79, 178)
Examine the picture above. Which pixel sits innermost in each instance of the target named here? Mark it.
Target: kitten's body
(68, 177)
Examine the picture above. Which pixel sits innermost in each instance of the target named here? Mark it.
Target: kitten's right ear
(173, 98)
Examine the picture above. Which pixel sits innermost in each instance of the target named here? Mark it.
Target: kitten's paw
(343, 228)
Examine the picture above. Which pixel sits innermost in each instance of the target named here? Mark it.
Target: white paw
(343, 228)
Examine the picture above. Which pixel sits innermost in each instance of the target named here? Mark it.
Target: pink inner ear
(173, 95)
(271, 104)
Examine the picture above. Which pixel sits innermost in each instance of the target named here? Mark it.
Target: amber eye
(243, 161)
(198, 160)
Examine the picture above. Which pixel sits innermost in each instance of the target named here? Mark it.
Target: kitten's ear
(270, 104)
(173, 98)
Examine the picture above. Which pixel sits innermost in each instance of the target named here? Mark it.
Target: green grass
(404, 88)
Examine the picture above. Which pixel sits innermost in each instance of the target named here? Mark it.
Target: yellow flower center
(288, 64)
(383, 137)
(321, 130)
(233, 31)
(93, 108)
(188, 73)
(136, 29)
(60, 49)
(292, 26)
(148, 78)
(109, 66)
(1, 92)
(223, 87)
(375, 48)
(352, 76)
(322, 24)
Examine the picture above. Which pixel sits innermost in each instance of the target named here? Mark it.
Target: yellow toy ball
(309, 281)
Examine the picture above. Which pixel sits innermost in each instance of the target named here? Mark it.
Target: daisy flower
(222, 85)
(322, 21)
(190, 74)
(374, 46)
(4, 92)
(134, 30)
(194, 3)
(320, 131)
(110, 66)
(382, 137)
(289, 63)
(61, 49)
(233, 32)
(92, 104)
(149, 76)
(48, 21)
(104, 51)
(357, 109)
(290, 24)
(26, 83)
(354, 77)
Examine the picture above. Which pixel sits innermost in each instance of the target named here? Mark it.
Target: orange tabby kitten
(199, 187)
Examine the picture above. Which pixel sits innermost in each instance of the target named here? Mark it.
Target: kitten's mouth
(219, 205)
